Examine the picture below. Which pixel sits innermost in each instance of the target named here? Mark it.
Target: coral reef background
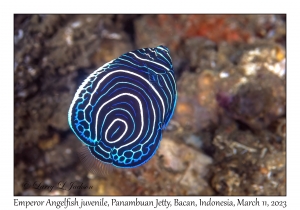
(227, 136)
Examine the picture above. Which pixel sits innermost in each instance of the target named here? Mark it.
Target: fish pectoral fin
(92, 164)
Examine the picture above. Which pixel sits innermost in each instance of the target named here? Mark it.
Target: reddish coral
(216, 28)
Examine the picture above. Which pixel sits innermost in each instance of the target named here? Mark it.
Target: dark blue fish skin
(120, 110)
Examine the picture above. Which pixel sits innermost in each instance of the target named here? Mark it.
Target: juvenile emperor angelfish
(121, 109)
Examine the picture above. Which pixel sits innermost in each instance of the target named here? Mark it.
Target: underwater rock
(255, 95)
(190, 163)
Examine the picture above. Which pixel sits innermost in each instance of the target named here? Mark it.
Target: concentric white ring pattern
(120, 110)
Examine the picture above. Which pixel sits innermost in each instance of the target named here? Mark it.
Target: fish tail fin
(92, 164)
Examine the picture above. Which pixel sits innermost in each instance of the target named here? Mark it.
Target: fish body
(121, 109)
